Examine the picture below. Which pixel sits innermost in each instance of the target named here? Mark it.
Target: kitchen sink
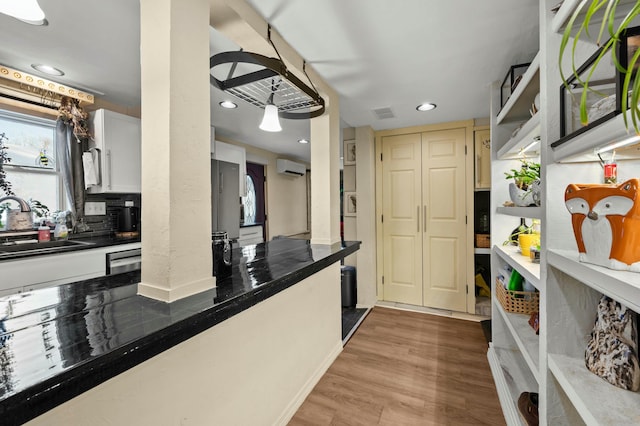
(44, 247)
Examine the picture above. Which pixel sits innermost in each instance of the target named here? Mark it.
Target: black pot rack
(274, 83)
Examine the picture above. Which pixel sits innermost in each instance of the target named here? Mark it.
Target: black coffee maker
(128, 219)
(221, 254)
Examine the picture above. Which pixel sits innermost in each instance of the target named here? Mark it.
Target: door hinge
(465, 150)
(380, 156)
(465, 220)
(382, 218)
(467, 288)
(383, 279)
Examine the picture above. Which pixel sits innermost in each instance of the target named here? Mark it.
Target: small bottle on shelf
(44, 233)
(520, 229)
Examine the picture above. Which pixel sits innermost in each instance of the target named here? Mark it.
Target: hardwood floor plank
(407, 368)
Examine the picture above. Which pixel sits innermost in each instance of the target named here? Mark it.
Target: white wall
(286, 195)
(256, 368)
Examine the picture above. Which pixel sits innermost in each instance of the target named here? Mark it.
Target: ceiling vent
(290, 168)
(384, 113)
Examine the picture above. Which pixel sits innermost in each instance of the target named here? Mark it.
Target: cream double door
(424, 222)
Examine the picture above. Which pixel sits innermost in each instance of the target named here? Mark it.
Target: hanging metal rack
(294, 99)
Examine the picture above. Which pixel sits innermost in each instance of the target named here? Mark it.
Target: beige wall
(256, 368)
(349, 185)
(286, 195)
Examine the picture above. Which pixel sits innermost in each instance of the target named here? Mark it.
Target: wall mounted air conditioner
(290, 168)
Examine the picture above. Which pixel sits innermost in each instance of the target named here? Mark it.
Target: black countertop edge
(44, 396)
(95, 242)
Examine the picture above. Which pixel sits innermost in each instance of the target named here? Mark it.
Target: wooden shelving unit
(552, 363)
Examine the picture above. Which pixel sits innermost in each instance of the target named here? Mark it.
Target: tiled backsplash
(108, 223)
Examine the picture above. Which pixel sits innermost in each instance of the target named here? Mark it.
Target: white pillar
(325, 173)
(176, 175)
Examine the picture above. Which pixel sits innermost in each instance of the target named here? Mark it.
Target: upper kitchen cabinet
(117, 139)
(233, 154)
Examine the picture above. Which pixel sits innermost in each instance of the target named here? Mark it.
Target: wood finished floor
(407, 368)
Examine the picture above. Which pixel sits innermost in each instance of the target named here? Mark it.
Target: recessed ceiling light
(228, 104)
(426, 106)
(303, 140)
(47, 69)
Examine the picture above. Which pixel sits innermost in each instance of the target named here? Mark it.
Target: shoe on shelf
(528, 407)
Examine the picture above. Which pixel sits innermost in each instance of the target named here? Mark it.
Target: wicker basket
(518, 302)
(483, 241)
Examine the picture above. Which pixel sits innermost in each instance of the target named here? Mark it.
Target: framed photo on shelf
(349, 155)
(511, 81)
(350, 204)
(604, 93)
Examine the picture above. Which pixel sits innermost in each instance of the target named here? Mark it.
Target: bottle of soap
(44, 233)
(61, 232)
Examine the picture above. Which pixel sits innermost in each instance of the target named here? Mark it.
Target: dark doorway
(255, 181)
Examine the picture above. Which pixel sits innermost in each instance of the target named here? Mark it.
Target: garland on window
(5, 185)
(72, 114)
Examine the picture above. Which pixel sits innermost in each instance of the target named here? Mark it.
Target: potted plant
(606, 11)
(525, 188)
(39, 210)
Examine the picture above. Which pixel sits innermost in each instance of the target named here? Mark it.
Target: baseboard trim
(291, 409)
(432, 311)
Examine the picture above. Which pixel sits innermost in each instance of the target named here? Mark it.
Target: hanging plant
(5, 185)
(74, 115)
(605, 10)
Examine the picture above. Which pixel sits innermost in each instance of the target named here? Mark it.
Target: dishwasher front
(123, 261)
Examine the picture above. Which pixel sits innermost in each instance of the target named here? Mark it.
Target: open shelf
(581, 147)
(559, 22)
(513, 147)
(482, 250)
(598, 402)
(529, 270)
(528, 212)
(623, 286)
(524, 336)
(511, 380)
(517, 106)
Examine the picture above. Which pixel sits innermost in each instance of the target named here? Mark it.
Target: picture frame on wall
(349, 154)
(350, 204)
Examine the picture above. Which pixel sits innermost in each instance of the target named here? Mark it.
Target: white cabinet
(117, 138)
(250, 235)
(55, 269)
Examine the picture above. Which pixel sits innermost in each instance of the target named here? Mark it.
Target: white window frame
(34, 170)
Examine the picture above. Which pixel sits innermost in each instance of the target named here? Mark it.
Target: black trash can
(349, 286)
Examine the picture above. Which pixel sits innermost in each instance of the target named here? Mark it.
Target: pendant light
(270, 120)
(28, 11)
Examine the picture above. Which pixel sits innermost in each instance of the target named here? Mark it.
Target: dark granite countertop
(96, 241)
(58, 342)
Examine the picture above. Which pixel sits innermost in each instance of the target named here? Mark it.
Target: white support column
(325, 173)
(176, 170)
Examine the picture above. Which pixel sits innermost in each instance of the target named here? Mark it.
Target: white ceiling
(374, 53)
